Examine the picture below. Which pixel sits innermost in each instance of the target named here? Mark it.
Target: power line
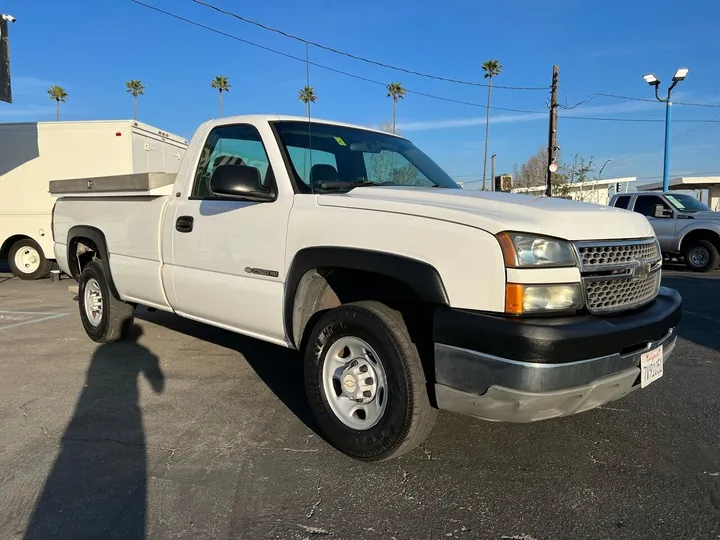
(603, 119)
(356, 57)
(649, 100)
(321, 66)
(681, 138)
(379, 83)
(689, 175)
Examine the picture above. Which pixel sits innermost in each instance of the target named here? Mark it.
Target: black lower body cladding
(561, 339)
(527, 369)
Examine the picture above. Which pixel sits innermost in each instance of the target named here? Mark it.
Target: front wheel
(104, 317)
(27, 260)
(365, 383)
(701, 256)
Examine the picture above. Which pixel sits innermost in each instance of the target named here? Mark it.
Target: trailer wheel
(27, 261)
(365, 383)
(104, 317)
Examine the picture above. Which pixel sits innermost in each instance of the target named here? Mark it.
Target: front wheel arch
(307, 291)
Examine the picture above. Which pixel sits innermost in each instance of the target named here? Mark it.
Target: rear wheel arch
(319, 277)
(95, 247)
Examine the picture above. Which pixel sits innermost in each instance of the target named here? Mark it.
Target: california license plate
(651, 366)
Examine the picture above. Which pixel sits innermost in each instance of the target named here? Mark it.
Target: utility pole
(5, 87)
(552, 133)
(492, 172)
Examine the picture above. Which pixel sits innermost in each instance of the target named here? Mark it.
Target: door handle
(184, 224)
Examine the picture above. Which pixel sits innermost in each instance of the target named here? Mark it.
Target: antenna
(307, 87)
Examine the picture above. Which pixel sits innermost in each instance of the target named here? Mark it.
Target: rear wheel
(365, 382)
(27, 261)
(701, 256)
(104, 317)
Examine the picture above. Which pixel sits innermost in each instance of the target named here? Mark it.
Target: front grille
(619, 275)
(619, 254)
(607, 295)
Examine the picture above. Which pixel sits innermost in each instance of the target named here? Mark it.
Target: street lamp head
(651, 79)
(680, 74)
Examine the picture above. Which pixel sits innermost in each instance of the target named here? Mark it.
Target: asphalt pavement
(186, 431)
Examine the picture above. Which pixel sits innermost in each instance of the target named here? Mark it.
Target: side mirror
(240, 182)
(662, 212)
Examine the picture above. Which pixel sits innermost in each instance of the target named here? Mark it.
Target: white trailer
(34, 153)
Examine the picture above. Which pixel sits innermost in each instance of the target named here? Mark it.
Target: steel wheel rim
(355, 383)
(93, 301)
(699, 256)
(27, 259)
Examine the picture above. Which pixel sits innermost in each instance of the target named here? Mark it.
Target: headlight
(521, 299)
(524, 250)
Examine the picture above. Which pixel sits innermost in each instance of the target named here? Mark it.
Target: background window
(230, 145)
(622, 201)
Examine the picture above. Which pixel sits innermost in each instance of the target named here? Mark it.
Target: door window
(645, 205)
(230, 145)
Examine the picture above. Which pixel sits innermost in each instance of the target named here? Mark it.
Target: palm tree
(222, 85)
(396, 91)
(307, 96)
(492, 68)
(59, 94)
(135, 88)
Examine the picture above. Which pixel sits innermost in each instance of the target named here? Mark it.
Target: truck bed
(130, 222)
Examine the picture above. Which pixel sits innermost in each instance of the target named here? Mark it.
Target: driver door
(664, 227)
(229, 254)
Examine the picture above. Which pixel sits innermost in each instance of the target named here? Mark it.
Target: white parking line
(28, 315)
(701, 315)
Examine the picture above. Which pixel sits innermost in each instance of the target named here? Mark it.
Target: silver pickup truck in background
(684, 226)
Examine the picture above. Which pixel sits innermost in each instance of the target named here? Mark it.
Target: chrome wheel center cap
(349, 384)
(359, 381)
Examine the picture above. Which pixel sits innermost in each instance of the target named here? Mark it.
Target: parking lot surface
(186, 431)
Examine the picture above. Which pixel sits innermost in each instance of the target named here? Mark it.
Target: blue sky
(91, 47)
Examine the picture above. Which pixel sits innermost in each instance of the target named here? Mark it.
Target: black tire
(116, 316)
(701, 256)
(44, 266)
(408, 417)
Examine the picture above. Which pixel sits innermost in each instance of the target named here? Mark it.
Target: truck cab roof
(258, 118)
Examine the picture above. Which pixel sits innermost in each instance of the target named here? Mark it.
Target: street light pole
(652, 80)
(603, 167)
(492, 172)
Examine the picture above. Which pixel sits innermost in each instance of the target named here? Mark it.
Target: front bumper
(523, 370)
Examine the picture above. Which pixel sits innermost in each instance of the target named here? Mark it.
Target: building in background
(594, 191)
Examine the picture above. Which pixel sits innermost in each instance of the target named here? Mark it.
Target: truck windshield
(687, 203)
(326, 158)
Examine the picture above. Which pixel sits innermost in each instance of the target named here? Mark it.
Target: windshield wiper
(358, 183)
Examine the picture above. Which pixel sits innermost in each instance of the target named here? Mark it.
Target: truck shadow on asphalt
(280, 369)
(98, 484)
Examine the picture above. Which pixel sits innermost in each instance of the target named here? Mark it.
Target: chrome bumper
(506, 390)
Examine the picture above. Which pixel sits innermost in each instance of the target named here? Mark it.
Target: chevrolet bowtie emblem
(642, 270)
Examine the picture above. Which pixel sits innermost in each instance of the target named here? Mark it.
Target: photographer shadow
(97, 487)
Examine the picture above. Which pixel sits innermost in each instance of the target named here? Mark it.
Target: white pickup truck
(405, 293)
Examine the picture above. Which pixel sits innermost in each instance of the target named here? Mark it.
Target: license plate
(651, 366)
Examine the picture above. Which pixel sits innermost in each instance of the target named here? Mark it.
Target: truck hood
(495, 211)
